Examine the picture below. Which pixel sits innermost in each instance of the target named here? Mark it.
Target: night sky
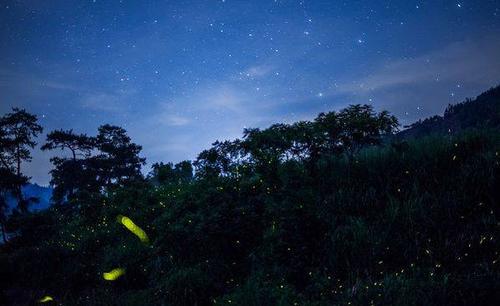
(179, 75)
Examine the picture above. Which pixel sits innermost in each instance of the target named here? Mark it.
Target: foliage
(95, 163)
(314, 213)
(17, 132)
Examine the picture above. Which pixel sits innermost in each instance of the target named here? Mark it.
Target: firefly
(113, 274)
(45, 299)
(131, 226)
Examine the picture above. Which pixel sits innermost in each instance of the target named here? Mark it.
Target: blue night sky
(179, 75)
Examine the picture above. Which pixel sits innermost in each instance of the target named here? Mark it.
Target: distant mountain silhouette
(482, 112)
(33, 190)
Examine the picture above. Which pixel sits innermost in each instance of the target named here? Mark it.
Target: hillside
(316, 213)
(481, 112)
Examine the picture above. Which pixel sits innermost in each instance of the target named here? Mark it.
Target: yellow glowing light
(130, 225)
(113, 274)
(45, 299)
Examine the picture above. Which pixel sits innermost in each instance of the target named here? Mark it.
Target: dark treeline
(481, 112)
(334, 211)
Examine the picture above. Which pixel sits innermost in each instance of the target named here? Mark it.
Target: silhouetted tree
(95, 162)
(79, 145)
(361, 126)
(9, 182)
(118, 158)
(18, 131)
(172, 174)
(329, 129)
(223, 159)
(70, 174)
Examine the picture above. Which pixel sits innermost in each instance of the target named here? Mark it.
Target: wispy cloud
(174, 120)
(414, 88)
(224, 97)
(257, 71)
(465, 62)
(101, 102)
(14, 79)
(85, 95)
(60, 85)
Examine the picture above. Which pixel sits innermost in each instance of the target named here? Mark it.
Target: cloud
(416, 88)
(257, 71)
(101, 102)
(60, 86)
(114, 101)
(174, 120)
(39, 84)
(465, 62)
(222, 97)
(178, 127)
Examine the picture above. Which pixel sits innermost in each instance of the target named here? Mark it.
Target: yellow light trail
(45, 299)
(113, 274)
(131, 226)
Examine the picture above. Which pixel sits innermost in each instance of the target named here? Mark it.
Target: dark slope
(416, 225)
(482, 112)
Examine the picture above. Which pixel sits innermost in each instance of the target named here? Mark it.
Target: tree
(3, 216)
(329, 127)
(361, 126)
(119, 160)
(172, 174)
(267, 148)
(95, 162)
(79, 145)
(224, 158)
(8, 185)
(18, 131)
(307, 140)
(70, 174)
(210, 163)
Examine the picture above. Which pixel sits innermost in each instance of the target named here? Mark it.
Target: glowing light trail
(45, 299)
(113, 274)
(131, 226)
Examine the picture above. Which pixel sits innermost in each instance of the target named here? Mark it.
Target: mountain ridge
(482, 111)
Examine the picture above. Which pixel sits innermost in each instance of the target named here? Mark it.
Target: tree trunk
(4, 235)
(18, 187)
(18, 157)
